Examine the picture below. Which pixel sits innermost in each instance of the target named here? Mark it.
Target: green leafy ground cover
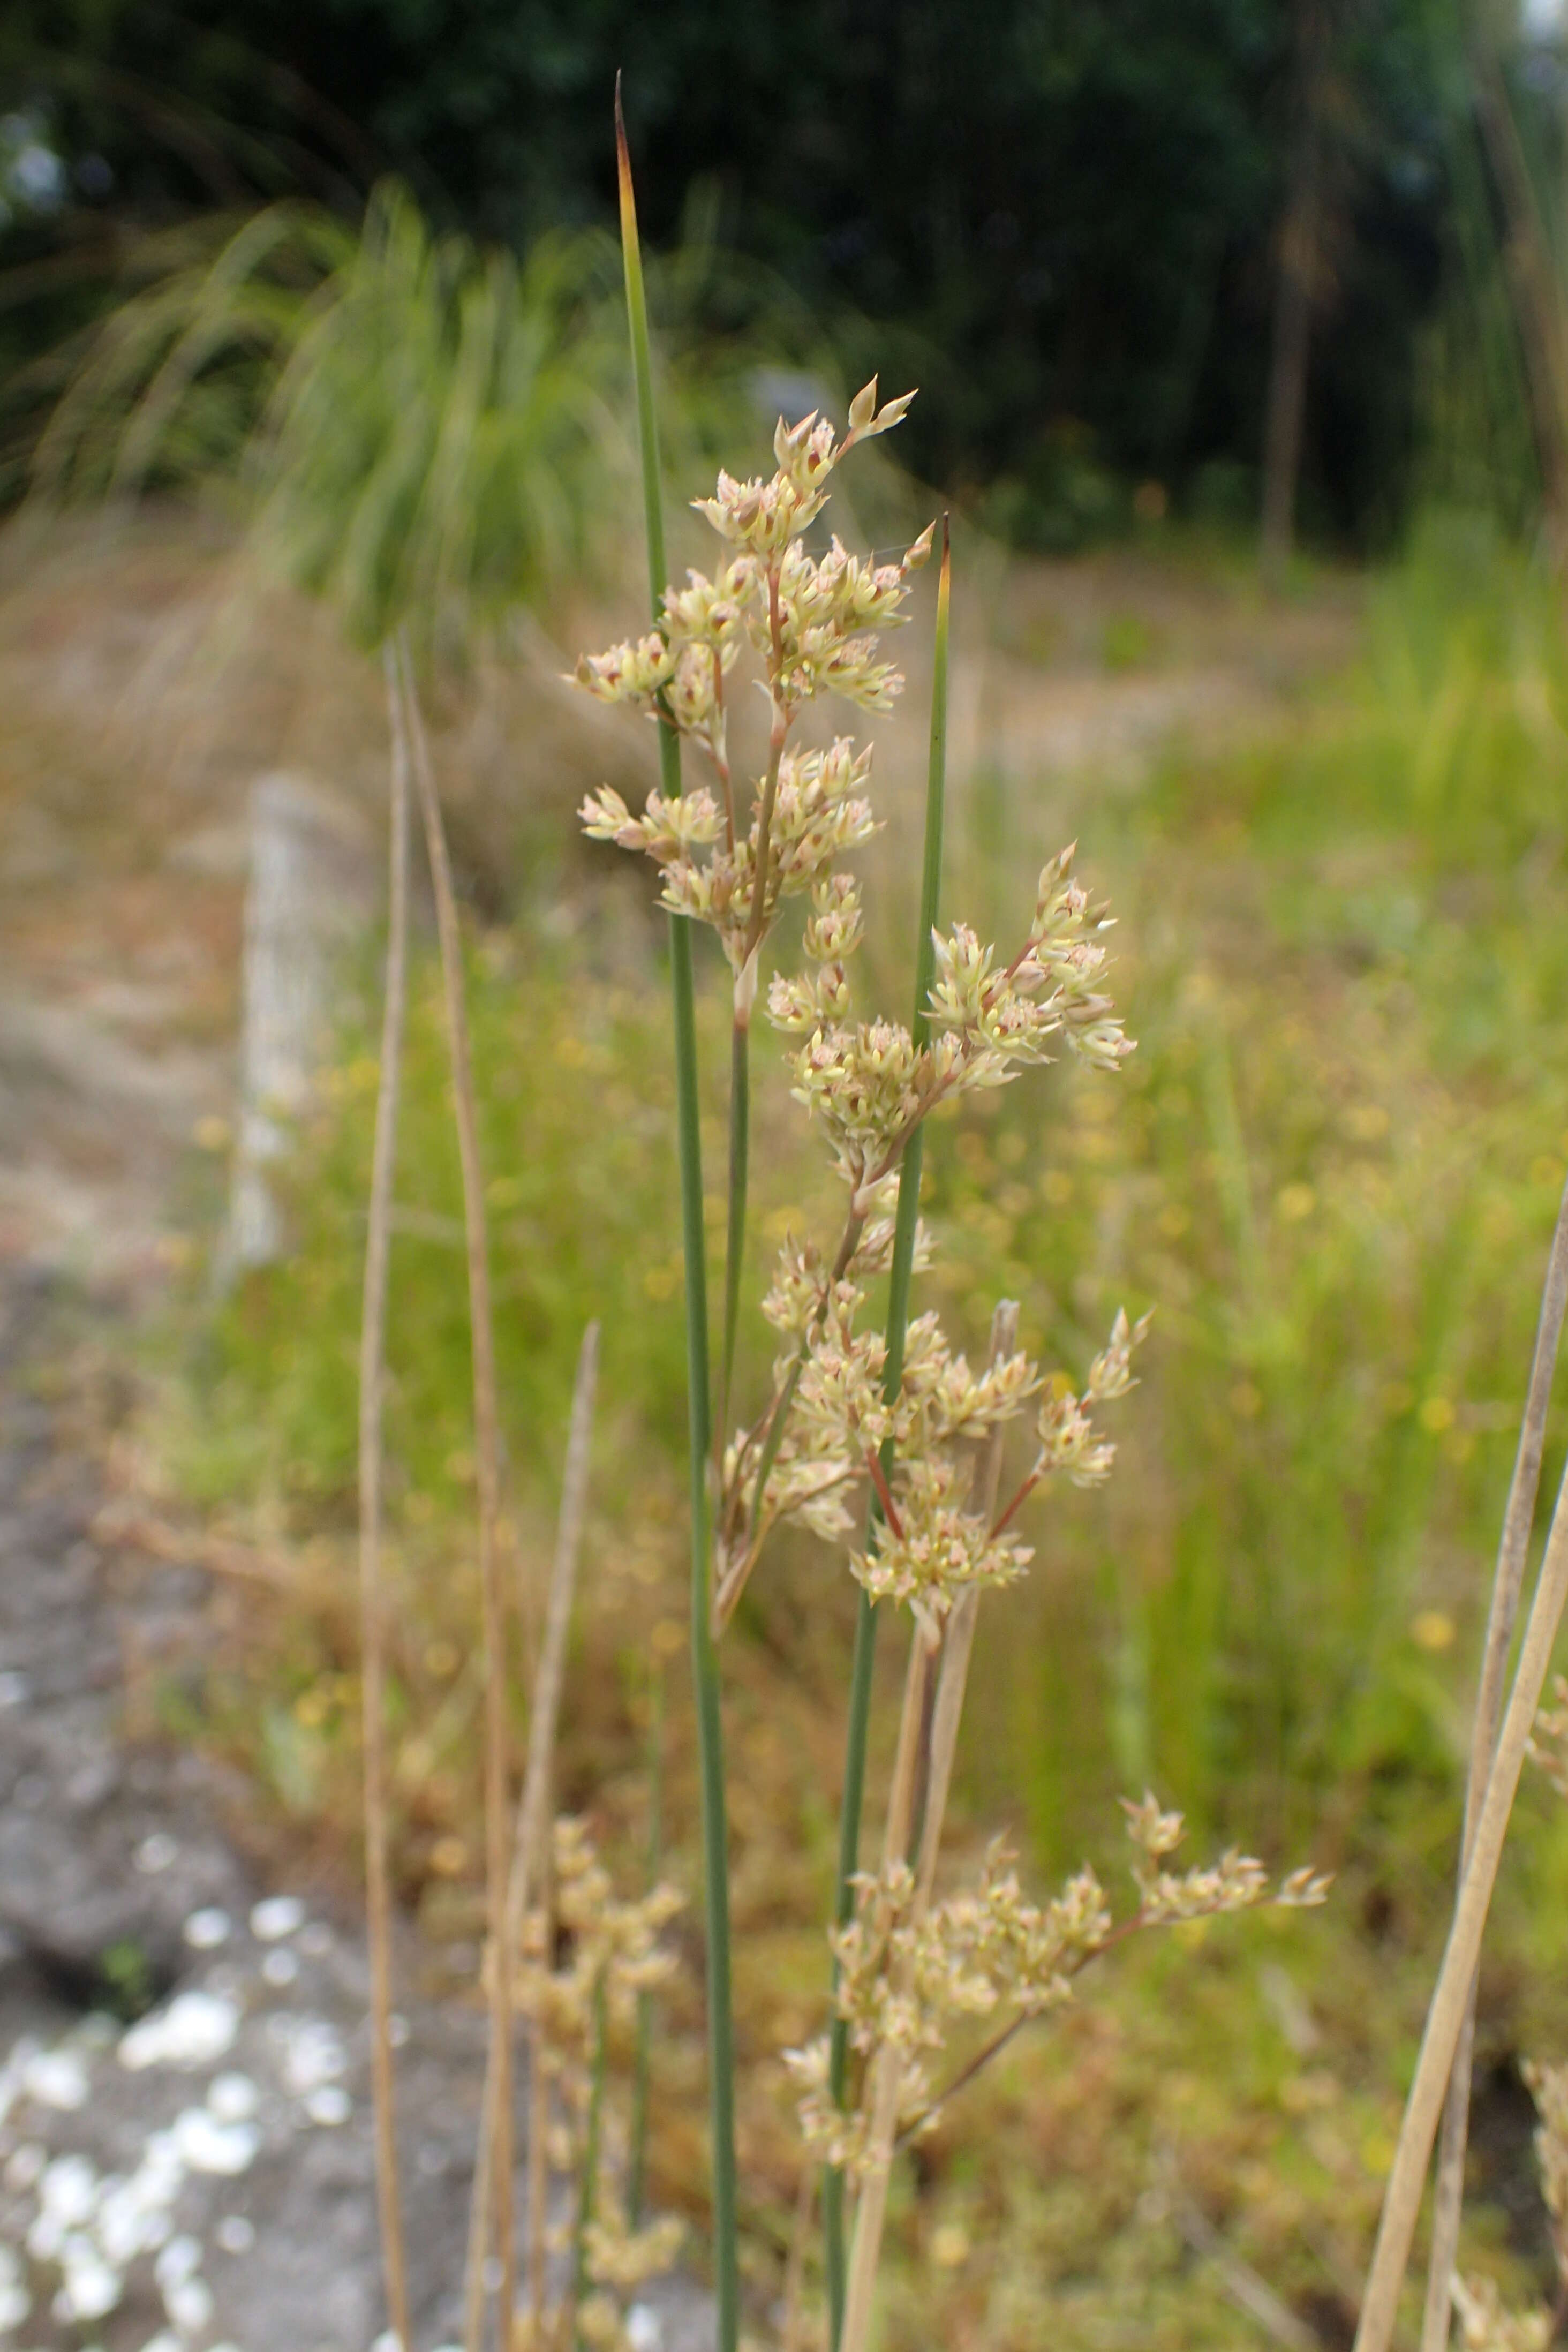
(1333, 1168)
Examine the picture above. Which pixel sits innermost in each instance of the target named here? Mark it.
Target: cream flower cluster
(908, 1977)
(870, 1087)
(820, 812)
(867, 1083)
(827, 1419)
(812, 620)
(932, 1545)
(765, 517)
(812, 623)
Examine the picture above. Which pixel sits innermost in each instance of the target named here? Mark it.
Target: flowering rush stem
(898, 1281)
(705, 1660)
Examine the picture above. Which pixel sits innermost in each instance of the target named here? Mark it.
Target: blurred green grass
(1332, 1167)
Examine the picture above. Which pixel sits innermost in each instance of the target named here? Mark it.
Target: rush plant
(884, 1442)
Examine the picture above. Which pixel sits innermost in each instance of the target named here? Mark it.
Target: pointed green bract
(704, 1662)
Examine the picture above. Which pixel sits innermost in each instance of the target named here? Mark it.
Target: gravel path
(152, 2179)
(202, 2176)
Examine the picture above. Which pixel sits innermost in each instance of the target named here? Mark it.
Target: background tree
(1061, 221)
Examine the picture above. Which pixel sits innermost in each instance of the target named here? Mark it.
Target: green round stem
(698, 1378)
(863, 1663)
(704, 1657)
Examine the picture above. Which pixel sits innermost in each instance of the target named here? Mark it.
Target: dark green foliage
(1052, 216)
(422, 427)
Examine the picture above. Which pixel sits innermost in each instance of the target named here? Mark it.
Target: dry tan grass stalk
(487, 1447)
(534, 1815)
(124, 1526)
(531, 1853)
(1451, 1998)
(917, 1724)
(373, 1606)
(1518, 1518)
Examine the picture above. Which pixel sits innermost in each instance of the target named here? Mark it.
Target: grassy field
(1331, 1168)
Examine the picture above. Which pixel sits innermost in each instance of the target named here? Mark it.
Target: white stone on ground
(233, 2098)
(329, 2105)
(312, 2053)
(57, 2078)
(15, 2303)
(196, 2029)
(207, 1928)
(204, 2145)
(90, 2287)
(275, 1917)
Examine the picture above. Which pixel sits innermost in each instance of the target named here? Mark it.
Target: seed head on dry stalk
(1485, 2322)
(584, 1961)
